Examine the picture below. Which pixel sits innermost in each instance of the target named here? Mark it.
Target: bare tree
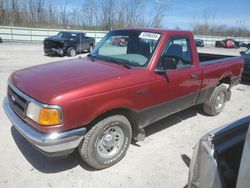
(120, 21)
(89, 10)
(52, 14)
(134, 16)
(39, 5)
(64, 15)
(14, 12)
(107, 13)
(2, 12)
(160, 7)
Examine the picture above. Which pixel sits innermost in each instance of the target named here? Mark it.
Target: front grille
(52, 44)
(17, 102)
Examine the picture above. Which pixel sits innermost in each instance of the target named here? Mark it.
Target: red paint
(86, 89)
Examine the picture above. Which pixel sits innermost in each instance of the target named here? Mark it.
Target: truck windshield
(133, 48)
(67, 35)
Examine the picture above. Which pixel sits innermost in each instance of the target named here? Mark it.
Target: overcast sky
(184, 13)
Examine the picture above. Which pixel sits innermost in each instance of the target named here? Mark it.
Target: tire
(107, 142)
(217, 101)
(71, 52)
(90, 48)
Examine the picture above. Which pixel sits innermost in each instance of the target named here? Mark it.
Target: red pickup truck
(99, 103)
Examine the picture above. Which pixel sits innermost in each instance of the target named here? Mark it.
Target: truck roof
(76, 32)
(176, 32)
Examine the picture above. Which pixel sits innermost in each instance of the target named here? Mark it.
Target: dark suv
(68, 43)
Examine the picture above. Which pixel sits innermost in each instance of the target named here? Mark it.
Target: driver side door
(178, 87)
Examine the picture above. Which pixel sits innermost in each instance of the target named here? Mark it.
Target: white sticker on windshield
(151, 36)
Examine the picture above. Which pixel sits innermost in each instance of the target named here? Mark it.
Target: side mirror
(242, 52)
(169, 62)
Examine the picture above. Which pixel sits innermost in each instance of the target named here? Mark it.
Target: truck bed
(209, 57)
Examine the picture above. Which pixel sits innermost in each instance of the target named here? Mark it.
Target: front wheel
(217, 101)
(106, 142)
(71, 52)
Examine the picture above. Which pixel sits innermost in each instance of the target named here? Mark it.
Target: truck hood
(48, 82)
(56, 39)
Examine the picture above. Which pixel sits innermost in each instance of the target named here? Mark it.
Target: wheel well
(128, 113)
(70, 47)
(225, 80)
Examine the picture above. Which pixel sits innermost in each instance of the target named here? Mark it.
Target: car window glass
(67, 35)
(114, 46)
(82, 36)
(78, 37)
(132, 47)
(177, 54)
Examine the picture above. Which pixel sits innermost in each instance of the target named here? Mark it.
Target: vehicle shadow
(54, 165)
(41, 162)
(174, 119)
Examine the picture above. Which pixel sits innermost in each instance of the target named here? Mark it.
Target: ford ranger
(97, 104)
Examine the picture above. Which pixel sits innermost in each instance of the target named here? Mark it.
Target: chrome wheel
(220, 101)
(107, 142)
(110, 142)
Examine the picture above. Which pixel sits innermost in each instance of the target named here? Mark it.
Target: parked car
(99, 103)
(119, 41)
(199, 42)
(68, 43)
(1, 40)
(246, 72)
(221, 158)
(229, 43)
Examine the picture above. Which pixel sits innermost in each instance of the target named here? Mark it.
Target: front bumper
(54, 51)
(53, 144)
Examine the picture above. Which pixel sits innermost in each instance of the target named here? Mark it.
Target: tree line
(220, 30)
(90, 14)
(105, 15)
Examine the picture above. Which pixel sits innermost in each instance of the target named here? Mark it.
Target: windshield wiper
(91, 57)
(120, 63)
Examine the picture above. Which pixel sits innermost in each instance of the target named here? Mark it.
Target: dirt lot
(155, 162)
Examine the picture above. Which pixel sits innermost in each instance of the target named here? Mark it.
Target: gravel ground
(155, 162)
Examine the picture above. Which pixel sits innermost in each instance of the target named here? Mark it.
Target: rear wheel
(71, 52)
(217, 101)
(106, 142)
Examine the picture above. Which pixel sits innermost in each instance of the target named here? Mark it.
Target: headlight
(44, 115)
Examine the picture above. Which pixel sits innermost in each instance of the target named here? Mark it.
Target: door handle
(193, 76)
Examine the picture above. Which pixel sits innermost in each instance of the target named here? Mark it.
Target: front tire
(107, 142)
(71, 52)
(217, 101)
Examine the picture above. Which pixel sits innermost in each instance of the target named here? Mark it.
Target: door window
(177, 54)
